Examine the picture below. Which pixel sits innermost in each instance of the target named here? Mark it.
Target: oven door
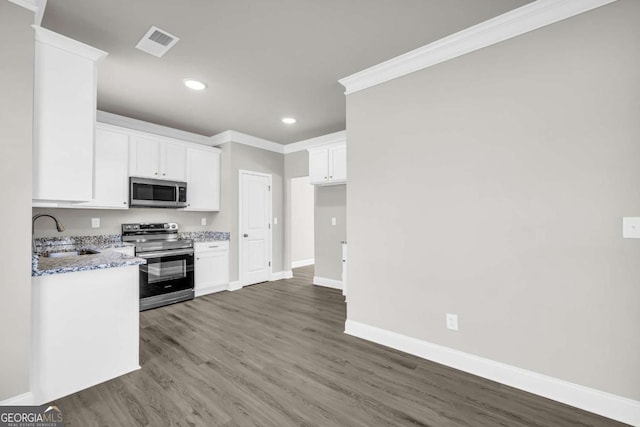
(166, 272)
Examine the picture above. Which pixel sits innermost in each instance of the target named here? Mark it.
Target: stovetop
(154, 236)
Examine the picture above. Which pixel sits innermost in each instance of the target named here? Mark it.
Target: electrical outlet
(631, 227)
(95, 222)
(333, 221)
(203, 221)
(452, 321)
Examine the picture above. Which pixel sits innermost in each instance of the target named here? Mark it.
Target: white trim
(65, 43)
(331, 138)
(302, 263)
(234, 286)
(24, 399)
(522, 20)
(142, 126)
(211, 289)
(328, 283)
(31, 5)
(281, 275)
(270, 216)
(606, 404)
(244, 139)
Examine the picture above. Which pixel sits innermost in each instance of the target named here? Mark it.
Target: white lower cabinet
(211, 267)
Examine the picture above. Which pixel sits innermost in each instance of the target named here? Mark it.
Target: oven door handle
(165, 253)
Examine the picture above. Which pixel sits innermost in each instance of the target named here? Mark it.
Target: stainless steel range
(167, 277)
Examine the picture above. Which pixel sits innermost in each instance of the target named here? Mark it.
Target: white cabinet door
(328, 165)
(144, 157)
(338, 164)
(211, 267)
(64, 118)
(173, 161)
(203, 190)
(110, 179)
(318, 166)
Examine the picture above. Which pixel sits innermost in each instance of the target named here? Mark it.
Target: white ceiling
(262, 59)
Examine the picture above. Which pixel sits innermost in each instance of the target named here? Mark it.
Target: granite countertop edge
(106, 258)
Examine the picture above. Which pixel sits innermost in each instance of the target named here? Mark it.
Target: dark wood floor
(275, 354)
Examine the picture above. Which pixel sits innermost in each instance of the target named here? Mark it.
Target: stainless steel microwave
(157, 193)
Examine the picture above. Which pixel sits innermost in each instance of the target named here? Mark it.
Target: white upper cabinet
(328, 164)
(203, 181)
(110, 177)
(153, 158)
(65, 80)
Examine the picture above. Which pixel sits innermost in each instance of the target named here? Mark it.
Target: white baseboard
(302, 263)
(329, 283)
(602, 403)
(234, 286)
(211, 289)
(281, 275)
(24, 399)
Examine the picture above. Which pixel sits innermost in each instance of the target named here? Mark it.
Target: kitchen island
(85, 316)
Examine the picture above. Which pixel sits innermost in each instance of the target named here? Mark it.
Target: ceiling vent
(157, 42)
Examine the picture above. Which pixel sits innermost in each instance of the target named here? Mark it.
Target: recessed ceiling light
(289, 120)
(194, 84)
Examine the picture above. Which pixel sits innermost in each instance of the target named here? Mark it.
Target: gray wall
(257, 160)
(16, 112)
(493, 186)
(330, 203)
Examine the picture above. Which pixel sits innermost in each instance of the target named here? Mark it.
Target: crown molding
(522, 20)
(244, 139)
(330, 138)
(35, 6)
(142, 126)
(65, 43)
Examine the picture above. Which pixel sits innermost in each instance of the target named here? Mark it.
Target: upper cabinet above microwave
(328, 164)
(153, 158)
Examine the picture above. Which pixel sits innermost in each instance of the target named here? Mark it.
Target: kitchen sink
(70, 253)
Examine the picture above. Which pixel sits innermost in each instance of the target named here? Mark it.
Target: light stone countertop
(105, 258)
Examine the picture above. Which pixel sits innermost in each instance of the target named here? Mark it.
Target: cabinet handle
(211, 247)
(156, 173)
(198, 259)
(163, 174)
(325, 177)
(331, 177)
(124, 203)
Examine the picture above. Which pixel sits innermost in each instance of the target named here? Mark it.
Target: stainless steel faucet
(59, 227)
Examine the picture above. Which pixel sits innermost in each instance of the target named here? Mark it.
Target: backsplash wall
(78, 221)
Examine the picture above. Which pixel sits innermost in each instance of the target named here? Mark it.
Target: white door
(255, 227)
(173, 160)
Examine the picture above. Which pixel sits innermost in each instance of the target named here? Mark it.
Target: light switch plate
(452, 321)
(95, 222)
(631, 227)
(275, 220)
(333, 221)
(203, 221)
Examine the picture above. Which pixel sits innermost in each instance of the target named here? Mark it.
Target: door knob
(246, 235)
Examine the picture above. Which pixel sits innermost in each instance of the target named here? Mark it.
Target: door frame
(241, 191)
